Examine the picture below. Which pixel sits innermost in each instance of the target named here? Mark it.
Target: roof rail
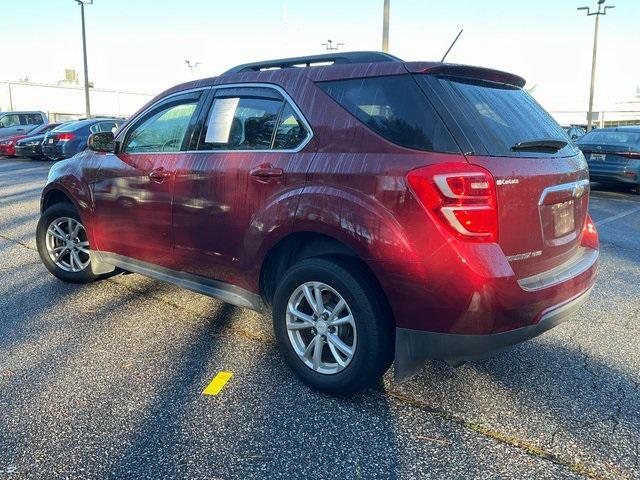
(334, 58)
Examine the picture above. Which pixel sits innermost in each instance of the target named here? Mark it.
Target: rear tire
(351, 317)
(63, 245)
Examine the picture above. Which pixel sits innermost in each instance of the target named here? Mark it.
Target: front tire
(331, 325)
(63, 244)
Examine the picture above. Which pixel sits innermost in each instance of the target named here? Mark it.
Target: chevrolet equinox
(383, 211)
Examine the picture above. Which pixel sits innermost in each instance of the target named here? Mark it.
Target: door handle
(159, 174)
(266, 171)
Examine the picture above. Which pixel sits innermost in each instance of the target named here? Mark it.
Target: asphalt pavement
(105, 381)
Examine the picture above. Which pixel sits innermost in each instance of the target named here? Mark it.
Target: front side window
(163, 131)
(395, 108)
(10, 121)
(241, 123)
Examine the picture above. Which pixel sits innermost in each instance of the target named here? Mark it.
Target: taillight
(461, 196)
(589, 233)
(65, 137)
(629, 154)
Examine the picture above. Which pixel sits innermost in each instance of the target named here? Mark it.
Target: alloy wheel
(67, 244)
(321, 328)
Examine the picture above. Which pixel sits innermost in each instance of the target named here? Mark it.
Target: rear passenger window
(34, 119)
(107, 127)
(395, 108)
(241, 123)
(290, 132)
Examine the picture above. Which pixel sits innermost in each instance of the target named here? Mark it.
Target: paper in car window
(221, 119)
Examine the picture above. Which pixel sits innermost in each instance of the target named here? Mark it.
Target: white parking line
(616, 217)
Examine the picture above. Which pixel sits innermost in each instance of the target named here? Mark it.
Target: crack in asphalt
(479, 428)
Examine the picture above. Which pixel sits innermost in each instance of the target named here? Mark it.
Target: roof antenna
(452, 44)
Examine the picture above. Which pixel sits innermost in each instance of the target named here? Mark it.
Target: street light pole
(192, 66)
(385, 27)
(84, 54)
(600, 11)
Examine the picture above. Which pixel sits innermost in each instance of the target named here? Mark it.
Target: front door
(134, 186)
(240, 183)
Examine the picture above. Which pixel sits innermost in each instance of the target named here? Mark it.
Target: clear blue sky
(141, 45)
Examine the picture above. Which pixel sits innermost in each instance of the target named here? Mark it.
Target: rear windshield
(70, 127)
(395, 108)
(494, 117)
(612, 137)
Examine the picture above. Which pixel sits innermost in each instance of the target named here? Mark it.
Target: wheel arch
(301, 245)
(55, 195)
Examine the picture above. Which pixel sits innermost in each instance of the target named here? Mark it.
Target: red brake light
(630, 154)
(65, 137)
(589, 233)
(461, 196)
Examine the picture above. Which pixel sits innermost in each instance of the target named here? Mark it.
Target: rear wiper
(548, 145)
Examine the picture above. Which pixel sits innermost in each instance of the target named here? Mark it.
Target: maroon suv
(380, 209)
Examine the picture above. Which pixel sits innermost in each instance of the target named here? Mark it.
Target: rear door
(541, 177)
(33, 120)
(241, 181)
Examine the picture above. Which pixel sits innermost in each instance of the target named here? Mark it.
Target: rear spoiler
(466, 71)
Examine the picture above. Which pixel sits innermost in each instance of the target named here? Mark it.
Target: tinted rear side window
(396, 109)
(494, 117)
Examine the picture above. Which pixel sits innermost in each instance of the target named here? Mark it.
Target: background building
(65, 100)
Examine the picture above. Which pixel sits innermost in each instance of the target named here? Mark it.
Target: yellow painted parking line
(218, 383)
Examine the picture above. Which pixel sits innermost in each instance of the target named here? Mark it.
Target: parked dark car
(8, 146)
(19, 123)
(378, 208)
(31, 146)
(65, 142)
(613, 155)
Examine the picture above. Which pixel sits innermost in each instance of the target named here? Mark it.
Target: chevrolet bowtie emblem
(578, 190)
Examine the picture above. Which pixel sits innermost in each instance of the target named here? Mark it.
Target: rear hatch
(541, 177)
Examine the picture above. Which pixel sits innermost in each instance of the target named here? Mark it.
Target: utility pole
(10, 98)
(385, 27)
(601, 11)
(192, 66)
(328, 45)
(84, 53)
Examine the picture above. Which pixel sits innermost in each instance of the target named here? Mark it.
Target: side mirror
(101, 142)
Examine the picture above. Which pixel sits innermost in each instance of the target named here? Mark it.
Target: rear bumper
(57, 152)
(33, 151)
(626, 175)
(413, 347)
